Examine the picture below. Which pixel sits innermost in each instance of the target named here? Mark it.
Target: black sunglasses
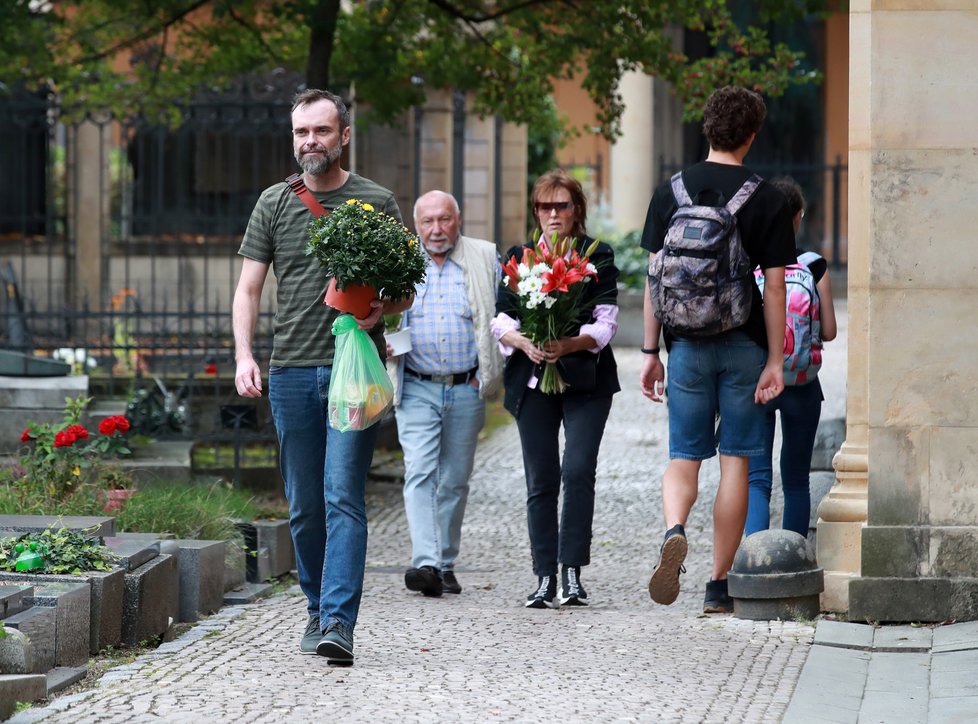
(553, 205)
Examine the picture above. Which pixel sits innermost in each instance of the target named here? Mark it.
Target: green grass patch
(184, 510)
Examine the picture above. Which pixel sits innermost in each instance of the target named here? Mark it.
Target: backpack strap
(744, 193)
(808, 257)
(299, 188)
(679, 190)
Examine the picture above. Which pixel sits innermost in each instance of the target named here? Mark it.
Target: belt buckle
(448, 380)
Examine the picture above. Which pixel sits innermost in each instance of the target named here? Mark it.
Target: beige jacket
(479, 261)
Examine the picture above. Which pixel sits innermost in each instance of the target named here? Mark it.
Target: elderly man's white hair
(458, 211)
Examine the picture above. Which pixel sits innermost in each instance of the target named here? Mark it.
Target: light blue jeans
(438, 427)
(325, 473)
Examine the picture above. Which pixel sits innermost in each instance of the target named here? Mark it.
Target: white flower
(549, 301)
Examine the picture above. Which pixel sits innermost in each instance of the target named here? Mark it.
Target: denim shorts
(711, 377)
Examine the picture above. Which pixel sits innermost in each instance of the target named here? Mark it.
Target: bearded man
(324, 469)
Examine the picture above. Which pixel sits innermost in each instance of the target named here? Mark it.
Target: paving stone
(39, 624)
(248, 593)
(151, 603)
(72, 605)
(902, 638)
(844, 635)
(201, 566)
(61, 677)
(955, 637)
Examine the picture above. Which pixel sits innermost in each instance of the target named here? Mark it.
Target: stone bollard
(775, 576)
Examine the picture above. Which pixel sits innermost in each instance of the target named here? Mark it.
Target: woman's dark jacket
(603, 290)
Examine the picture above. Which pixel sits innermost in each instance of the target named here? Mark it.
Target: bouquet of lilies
(549, 283)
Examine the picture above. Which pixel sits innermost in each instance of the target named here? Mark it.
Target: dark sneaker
(336, 645)
(310, 639)
(572, 593)
(664, 583)
(449, 583)
(545, 594)
(426, 579)
(717, 599)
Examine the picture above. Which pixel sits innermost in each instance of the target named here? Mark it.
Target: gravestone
(152, 600)
(93, 525)
(16, 656)
(201, 565)
(72, 604)
(39, 625)
(275, 537)
(41, 399)
(20, 687)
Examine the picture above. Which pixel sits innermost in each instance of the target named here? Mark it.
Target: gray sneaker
(664, 583)
(312, 636)
(336, 645)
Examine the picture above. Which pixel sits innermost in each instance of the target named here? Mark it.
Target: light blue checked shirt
(442, 333)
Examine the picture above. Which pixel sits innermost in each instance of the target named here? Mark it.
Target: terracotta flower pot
(355, 299)
(116, 499)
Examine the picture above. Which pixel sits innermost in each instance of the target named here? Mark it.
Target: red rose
(64, 439)
(78, 431)
(122, 423)
(107, 426)
(26, 435)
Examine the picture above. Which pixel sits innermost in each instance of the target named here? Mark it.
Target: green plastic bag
(360, 391)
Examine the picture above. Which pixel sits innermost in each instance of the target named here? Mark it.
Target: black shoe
(449, 583)
(426, 579)
(664, 583)
(310, 639)
(717, 600)
(336, 645)
(572, 593)
(545, 594)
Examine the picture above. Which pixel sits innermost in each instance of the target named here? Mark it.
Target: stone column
(842, 513)
(632, 158)
(914, 70)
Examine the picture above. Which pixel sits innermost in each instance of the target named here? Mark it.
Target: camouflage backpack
(701, 281)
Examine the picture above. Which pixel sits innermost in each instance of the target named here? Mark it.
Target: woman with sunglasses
(560, 208)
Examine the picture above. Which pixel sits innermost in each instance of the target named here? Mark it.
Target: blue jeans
(583, 417)
(438, 427)
(800, 408)
(325, 473)
(715, 375)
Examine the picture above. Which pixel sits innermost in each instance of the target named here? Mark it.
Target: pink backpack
(803, 328)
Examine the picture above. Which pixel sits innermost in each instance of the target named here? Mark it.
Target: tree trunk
(322, 24)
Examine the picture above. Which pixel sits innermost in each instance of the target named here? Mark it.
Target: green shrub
(630, 258)
(64, 551)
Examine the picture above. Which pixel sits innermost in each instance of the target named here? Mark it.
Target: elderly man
(453, 365)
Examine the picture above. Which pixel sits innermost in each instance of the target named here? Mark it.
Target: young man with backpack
(706, 230)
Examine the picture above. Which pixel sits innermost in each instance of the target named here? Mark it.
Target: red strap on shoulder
(298, 187)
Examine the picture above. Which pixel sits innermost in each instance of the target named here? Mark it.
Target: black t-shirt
(766, 229)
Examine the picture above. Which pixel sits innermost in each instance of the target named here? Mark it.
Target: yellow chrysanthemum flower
(351, 201)
(368, 207)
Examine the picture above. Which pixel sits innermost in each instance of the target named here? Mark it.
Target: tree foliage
(136, 56)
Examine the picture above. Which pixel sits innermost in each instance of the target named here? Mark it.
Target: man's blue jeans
(800, 407)
(438, 427)
(325, 473)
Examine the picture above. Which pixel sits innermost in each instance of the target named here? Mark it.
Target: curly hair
(560, 179)
(731, 115)
(314, 95)
(792, 191)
